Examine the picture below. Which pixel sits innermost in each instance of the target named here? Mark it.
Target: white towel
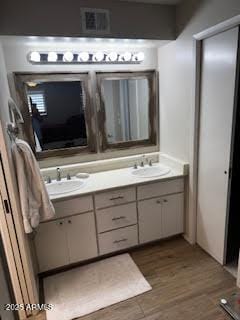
(34, 199)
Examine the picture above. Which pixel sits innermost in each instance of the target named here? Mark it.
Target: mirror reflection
(126, 104)
(57, 111)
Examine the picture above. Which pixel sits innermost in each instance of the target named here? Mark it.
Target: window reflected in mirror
(127, 109)
(57, 111)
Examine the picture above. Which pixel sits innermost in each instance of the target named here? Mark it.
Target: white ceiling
(170, 2)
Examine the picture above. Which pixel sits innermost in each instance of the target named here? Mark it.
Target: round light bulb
(112, 56)
(127, 56)
(139, 56)
(52, 57)
(68, 56)
(35, 56)
(98, 56)
(83, 56)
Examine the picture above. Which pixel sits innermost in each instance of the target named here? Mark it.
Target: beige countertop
(117, 178)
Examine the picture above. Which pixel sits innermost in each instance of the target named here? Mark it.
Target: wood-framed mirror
(57, 112)
(127, 110)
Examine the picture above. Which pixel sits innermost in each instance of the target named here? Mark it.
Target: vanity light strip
(84, 57)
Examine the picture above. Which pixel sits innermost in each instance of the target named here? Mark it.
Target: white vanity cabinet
(160, 217)
(118, 223)
(51, 245)
(172, 214)
(150, 220)
(81, 237)
(69, 239)
(110, 221)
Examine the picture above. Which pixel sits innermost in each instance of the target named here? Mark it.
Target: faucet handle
(135, 166)
(142, 164)
(68, 176)
(150, 162)
(49, 179)
(58, 174)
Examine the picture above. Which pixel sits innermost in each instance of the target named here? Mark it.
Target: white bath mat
(89, 288)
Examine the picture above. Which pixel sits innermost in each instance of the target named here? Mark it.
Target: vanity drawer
(114, 197)
(118, 239)
(116, 217)
(160, 188)
(72, 206)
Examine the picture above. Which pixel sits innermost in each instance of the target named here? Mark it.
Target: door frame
(195, 119)
(10, 257)
(14, 240)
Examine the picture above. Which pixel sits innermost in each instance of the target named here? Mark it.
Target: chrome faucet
(59, 178)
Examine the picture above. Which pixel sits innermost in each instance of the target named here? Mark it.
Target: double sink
(63, 186)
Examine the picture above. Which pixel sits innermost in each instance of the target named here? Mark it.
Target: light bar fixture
(98, 57)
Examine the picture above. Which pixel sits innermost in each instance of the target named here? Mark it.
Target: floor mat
(89, 288)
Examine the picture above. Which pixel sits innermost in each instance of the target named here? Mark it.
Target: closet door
(219, 59)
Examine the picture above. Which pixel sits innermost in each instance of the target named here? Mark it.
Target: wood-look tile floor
(187, 285)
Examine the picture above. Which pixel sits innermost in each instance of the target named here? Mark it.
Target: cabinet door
(81, 236)
(172, 214)
(51, 245)
(150, 220)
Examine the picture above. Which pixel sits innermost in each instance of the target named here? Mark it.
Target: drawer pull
(159, 202)
(116, 198)
(165, 200)
(118, 218)
(119, 241)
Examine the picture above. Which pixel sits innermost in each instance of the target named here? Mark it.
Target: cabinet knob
(69, 221)
(159, 202)
(165, 200)
(60, 223)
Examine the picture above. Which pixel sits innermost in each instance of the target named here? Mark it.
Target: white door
(172, 215)
(150, 219)
(51, 245)
(219, 56)
(81, 237)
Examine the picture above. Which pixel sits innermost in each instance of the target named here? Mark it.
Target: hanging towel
(34, 199)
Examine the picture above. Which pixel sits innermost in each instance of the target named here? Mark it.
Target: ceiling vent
(95, 21)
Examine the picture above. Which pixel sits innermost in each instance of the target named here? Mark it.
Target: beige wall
(62, 18)
(176, 64)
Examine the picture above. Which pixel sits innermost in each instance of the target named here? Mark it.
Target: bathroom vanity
(114, 211)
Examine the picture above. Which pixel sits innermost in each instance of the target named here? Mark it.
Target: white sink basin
(156, 170)
(64, 186)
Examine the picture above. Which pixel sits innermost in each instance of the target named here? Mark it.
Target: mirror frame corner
(153, 140)
(19, 80)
